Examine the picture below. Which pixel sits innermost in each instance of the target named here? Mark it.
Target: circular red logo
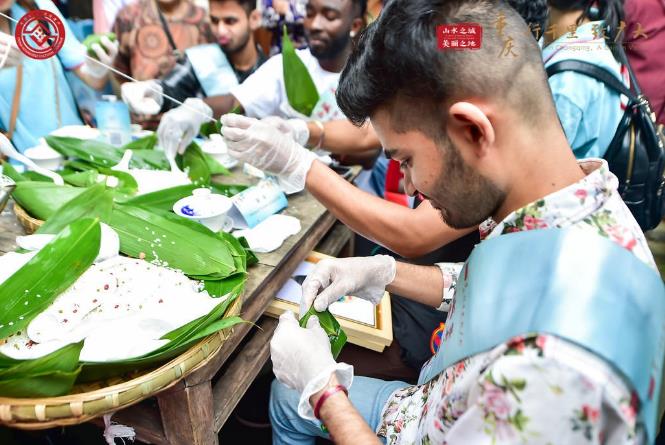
(40, 34)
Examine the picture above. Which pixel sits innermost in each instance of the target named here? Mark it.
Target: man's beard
(467, 197)
(333, 49)
(238, 47)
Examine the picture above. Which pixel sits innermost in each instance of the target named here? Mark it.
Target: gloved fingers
(110, 47)
(233, 134)
(102, 56)
(329, 295)
(288, 318)
(233, 120)
(311, 287)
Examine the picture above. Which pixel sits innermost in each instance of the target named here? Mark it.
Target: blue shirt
(589, 111)
(38, 115)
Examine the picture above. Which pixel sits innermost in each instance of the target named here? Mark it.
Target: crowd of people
(514, 233)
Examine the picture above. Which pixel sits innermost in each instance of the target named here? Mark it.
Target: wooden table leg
(187, 415)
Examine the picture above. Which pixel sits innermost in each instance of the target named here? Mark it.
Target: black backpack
(636, 154)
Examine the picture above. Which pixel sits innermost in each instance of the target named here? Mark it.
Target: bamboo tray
(29, 223)
(91, 400)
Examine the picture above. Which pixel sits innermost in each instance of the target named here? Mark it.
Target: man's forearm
(221, 104)
(423, 284)
(408, 232)
(343, 138)
(345, 424)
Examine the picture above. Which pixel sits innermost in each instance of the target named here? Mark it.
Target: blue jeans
(368, 396)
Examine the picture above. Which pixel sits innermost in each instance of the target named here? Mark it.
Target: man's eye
(231, 22)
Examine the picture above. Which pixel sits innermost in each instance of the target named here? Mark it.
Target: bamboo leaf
(95, 202)
(97, 153)
(196, 166)
(228, 190)
(42, 199)
(219, 288)
(126, 183)
(144, 143)
(162, 199)
(146, 234)
(65, 359)
(9, 170)
(216, 326)
(51, 271)
(81, 179)
(149, 159)
(214, 166)
(50, 384)
(331, 326)
(300, 88)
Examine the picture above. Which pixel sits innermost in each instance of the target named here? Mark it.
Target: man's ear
(255, 20)
(356, 26)
(469, 128)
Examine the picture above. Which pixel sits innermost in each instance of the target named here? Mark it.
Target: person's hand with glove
(105, 52)
(302, 360)
(296, 128)
(332, 279)
(143, 98)
(10, 55)
(265, 147)
(180, 126)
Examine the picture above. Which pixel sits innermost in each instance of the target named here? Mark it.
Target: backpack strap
(593, 71)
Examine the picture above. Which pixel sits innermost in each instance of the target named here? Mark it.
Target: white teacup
(45, 157)
(209, 209)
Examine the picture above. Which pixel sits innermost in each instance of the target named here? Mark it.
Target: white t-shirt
(263, 93)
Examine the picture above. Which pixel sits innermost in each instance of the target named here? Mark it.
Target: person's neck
(170, 9)
(336, 64)
(246, 58)
(545, 169)
(562, 21)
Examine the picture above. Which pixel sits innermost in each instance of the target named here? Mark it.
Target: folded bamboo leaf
(51, 271)
(81, 179)
(162, 199)
(127, 185)
(10, 171)
(34, 176)
(217, 326)
(196, 166)
(211, 127)
(214, 166)
(331, 326)
(94, 202)
(300, 88)
(252, 259)
(228, 190)
(149, 159)
(219, 288)
(78, 165)
(65, 359)
(144, 143)
(42, 199)
(50, 384)
(95, 152)
(145, 234)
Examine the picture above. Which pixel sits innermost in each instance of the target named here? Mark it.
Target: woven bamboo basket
(91, 400)
(29, 223)
(96, 399)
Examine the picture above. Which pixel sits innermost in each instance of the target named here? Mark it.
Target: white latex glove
(265, 147)
(105, 52)
(365, 278)
(180, 126)
(10, 55)
(143, 97)
(296, 128)
(301, 360)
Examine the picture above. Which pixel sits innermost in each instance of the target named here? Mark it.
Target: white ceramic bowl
(77, 131)
(217, 149)
(45, 157)
(206, 208)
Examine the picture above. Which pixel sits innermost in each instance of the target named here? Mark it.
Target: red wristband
(329, 392)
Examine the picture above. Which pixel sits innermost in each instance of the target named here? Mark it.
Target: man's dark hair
(247, 5)
(397, 64)
(534, 12)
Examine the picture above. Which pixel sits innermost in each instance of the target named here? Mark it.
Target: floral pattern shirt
(537, 389)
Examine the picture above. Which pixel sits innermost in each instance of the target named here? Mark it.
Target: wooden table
(194, 410)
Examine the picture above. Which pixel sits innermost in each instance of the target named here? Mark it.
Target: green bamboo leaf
(146, 234)
(144, 143)
(211, 127)
(216, 326)
(42, 199)
(34, 176)
(65, 359)
(149, 159)
(214, 166)
(51, 271)
(162, 199)
(196, 166)
(50, 384)
(81, 179)
(219, 288)
(94, 202)
(252, 259)
(10, 171)
(300, 88)
(95, 152)
(127, 185)
(331, 326)
(228, 190)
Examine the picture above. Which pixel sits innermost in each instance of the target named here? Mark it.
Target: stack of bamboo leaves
(219, 261)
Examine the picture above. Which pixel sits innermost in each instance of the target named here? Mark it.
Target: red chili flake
(116, 306)
(30, 344)
(76, 310)
(106, 287)
(161, 300)
(94, 301)
(65, 320)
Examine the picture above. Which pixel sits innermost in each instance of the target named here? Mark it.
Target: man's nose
(409, 188)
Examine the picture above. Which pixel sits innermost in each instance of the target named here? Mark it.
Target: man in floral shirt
(477, 134)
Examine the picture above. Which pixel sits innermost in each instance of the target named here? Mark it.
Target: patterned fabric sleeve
(450, 273)
(121, 29)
